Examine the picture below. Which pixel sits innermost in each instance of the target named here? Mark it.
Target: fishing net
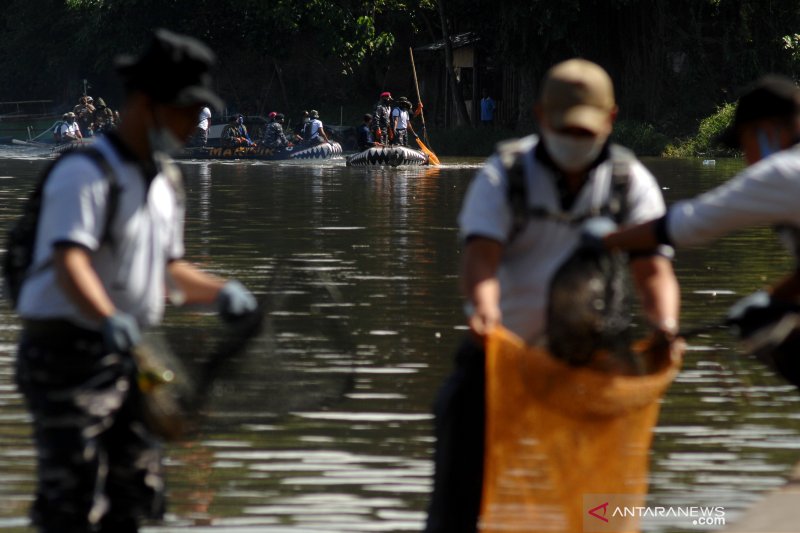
(556, 433)
(299, 356)
(589, 312)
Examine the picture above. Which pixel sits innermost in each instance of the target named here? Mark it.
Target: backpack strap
(114, 190)
(621, 161)
(112, 202)
(511, 154)
(512, 158)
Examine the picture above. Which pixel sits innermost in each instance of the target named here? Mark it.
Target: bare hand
(484, 319)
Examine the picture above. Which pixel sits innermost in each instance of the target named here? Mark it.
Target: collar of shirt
(566, 197)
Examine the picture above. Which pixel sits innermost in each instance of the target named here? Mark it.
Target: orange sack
(561, 441)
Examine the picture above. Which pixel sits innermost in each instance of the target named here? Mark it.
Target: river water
(361, 459)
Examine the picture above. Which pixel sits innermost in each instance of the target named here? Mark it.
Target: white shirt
(765, 193)
(71, 128)
(402, 118)
(534, 255)
(145, 236)
(316, 125)
(205, 116)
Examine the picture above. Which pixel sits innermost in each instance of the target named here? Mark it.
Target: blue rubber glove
(234, 302)
(121, 332)
(593, 231)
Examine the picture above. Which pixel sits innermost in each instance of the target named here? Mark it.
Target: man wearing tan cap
(520, 221)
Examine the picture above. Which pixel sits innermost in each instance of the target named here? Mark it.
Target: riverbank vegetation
(677, 64)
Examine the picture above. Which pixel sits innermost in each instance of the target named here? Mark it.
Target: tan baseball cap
(577, 93)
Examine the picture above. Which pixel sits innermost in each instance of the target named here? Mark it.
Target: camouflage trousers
(400, 137)
(98, 469)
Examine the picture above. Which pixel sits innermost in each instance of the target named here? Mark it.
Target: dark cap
(173, 70)
(772, 96)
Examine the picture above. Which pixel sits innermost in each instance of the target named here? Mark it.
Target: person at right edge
(507, 270)
(766, 127)
(86, 298)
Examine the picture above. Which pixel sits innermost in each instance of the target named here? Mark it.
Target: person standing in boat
(84, 112)
(200, 137)
(510, 255)
(235, 135)
(103, 117)
(93, 286)
(316, 130)
(382, 118)
(401, 122)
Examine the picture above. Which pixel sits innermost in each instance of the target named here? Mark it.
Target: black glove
(235, 302)
(593, 231)
(121, 332)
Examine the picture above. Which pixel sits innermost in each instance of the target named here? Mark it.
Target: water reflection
(387, 240)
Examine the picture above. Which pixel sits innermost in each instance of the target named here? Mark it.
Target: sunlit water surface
(386, 239)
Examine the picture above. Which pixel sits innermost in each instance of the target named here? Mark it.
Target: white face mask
(572, 153)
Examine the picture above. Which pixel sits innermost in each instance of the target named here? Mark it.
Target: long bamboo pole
(419, 99)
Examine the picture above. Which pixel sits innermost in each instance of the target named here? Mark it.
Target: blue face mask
(765, 146)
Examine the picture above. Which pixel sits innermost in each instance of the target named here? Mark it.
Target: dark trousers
(200, 137)
(458, 456)
(383, 138)
(401, 137)
(98, 468)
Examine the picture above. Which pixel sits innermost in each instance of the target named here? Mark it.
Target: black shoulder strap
(113, 196)
(511, 154)
(621, 160)
(108, 174)
(517, 196)
(112, 203)
(513, 161)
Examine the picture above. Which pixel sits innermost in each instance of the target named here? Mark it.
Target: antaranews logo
(600, 508)
(611, 513)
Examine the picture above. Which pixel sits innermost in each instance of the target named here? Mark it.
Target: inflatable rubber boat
(320, 151)
(393, 156)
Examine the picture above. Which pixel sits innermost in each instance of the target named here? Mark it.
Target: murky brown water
(387, 240)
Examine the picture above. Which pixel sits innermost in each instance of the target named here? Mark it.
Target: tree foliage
(673, 61)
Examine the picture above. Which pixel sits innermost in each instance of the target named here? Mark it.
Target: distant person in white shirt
(316, 131)
(203, 123)
(70, 131)
(401, 121)
(766, 127)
